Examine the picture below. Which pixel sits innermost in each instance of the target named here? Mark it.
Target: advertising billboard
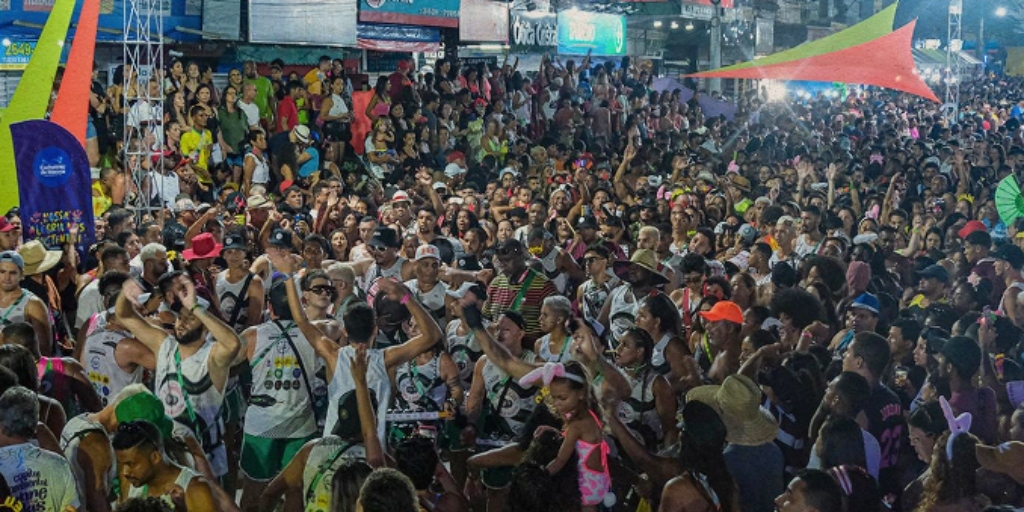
(430, 13)
(598, 33)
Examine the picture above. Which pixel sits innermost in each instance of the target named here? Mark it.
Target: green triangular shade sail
(869, 53)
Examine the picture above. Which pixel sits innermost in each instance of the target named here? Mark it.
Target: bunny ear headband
(957, 425)
(548, 373)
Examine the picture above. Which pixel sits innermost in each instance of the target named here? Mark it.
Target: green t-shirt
(264, 91)
(233, 127)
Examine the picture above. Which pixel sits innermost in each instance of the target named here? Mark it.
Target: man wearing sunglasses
(386, 262)
(283, 409)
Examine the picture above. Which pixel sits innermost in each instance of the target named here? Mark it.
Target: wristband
(194, 307)
(405, 300)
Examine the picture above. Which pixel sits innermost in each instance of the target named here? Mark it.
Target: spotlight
(674, 25)
(657, 24)
(689, 26)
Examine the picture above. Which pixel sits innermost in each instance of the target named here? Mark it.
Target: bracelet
(405, 300)
(194, 306)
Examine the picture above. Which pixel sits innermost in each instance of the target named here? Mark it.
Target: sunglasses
(589, 260)
(322, 289)
(378, 248)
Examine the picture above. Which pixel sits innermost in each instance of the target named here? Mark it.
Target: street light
(999, 12)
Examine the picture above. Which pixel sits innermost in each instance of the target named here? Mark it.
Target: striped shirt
(502, 293)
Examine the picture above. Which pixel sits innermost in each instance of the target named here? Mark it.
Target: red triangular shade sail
(885, 61)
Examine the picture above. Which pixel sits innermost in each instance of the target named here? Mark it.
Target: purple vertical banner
(54, 183)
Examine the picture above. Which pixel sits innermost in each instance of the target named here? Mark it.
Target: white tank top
(342, 384)
(106, 376)
(281, 404)
(464, 349)
(420, 387)
(74, 431)
(623, 303)
(260, 173)
(550, 263)
(545, 354)
(229, 295)
(514, 404)
(375, 272)
(338, 106)
(433, 300)
(190, 397)
(325, 457)
(638, 412)
(16, 311)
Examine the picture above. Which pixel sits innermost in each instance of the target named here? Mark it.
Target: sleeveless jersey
(74, 431)
(545, 353)
(185, 478)
(325, 457)
(658, 361)
(557, 277)
(342, 384)
(230, 298)
(281, 405)
(433, 301)
(508, 402)
(420, 387)
(16, 311)
(375, 272)
(594, 296)
(622, 312)
(464, 349)
(189, 396)
(638, 412)
(107, 378)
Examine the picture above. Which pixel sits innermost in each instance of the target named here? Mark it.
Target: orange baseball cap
(724, 310)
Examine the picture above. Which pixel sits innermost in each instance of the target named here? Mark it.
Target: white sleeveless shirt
(325, 457)
(342, 384)
(189, 396)
(230, 298)
(106, 376)
(71, 438)
(281, 405)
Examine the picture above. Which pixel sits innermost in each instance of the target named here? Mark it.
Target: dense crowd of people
(551, 291)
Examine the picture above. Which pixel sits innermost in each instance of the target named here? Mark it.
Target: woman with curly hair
(952, 486)
(796, 309)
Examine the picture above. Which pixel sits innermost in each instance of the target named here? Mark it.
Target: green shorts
(497, 478)
(263, 458)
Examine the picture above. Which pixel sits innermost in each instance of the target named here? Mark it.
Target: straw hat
(738, 402)
(38, 258)
(645, 259)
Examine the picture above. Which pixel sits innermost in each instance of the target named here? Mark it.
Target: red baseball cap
(971, 227)
(724, 310)
(5, 225)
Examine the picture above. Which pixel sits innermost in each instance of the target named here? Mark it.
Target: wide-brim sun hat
(738, 401)
(38, 258)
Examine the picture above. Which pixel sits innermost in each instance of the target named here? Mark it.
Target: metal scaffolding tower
(143, 105)
(953, 71)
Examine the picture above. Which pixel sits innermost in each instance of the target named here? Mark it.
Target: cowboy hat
(38, 258)
(204, 246)
(645, 259)
(738, 402)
